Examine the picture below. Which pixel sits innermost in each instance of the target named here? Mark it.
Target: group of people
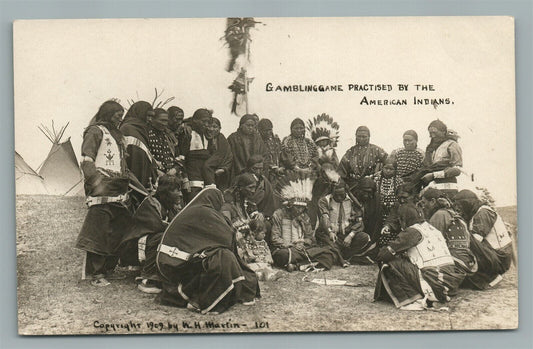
(205, 217)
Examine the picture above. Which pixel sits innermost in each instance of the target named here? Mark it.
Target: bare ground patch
(53, 300)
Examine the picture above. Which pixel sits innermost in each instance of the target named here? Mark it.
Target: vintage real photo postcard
(265, 175)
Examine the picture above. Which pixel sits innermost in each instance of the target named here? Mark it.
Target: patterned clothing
(360, 161)
(115, 182)
(298, 152)
(273, 146)
(459, 245)
(407, 161)
(384, 239)
(343, 218)
(256, 251)
(160, 145)
(105, 223)
(387, 192)
(413, 272)
(292, 242)
(287, 230)
(492, 261)
(193, 147)
(139, 159)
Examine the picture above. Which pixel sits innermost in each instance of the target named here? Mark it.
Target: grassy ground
(53, 300)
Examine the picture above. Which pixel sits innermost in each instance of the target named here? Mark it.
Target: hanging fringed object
(236, 36)
(239, 89)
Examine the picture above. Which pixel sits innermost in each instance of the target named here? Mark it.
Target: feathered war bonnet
(296, 188)
(330, 174)
(323, 127)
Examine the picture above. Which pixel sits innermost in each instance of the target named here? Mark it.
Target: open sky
(64, 69)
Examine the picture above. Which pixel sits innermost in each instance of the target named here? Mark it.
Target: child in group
(256, 253)
(387, 182)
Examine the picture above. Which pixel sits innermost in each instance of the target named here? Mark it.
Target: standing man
(160, 143)
(135, 130)
(106, 187)
(194, 148)
(363, 159)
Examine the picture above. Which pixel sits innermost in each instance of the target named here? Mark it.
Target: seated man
(341, 226)
(491, 243)
(292, 235)
(149, 223)
(417, 268)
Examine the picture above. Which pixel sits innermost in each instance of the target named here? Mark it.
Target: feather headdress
(323, 127)
(330, 173)
(296, 188)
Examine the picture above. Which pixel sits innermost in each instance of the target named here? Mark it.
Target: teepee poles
(53, 135)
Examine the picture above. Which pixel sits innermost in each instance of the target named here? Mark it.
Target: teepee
(60, 171)
(27, 181)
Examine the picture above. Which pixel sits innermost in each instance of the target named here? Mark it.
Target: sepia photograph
(265, 175)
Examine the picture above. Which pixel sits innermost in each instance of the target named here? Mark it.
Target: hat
(323, 127)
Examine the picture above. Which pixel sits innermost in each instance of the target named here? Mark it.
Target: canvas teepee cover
(60, 171)
(27, 181)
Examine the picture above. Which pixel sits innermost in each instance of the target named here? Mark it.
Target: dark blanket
(146, 220)
(264, 197)
(137, 160)
(221, 158)
(214, 278)
(243, 147)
